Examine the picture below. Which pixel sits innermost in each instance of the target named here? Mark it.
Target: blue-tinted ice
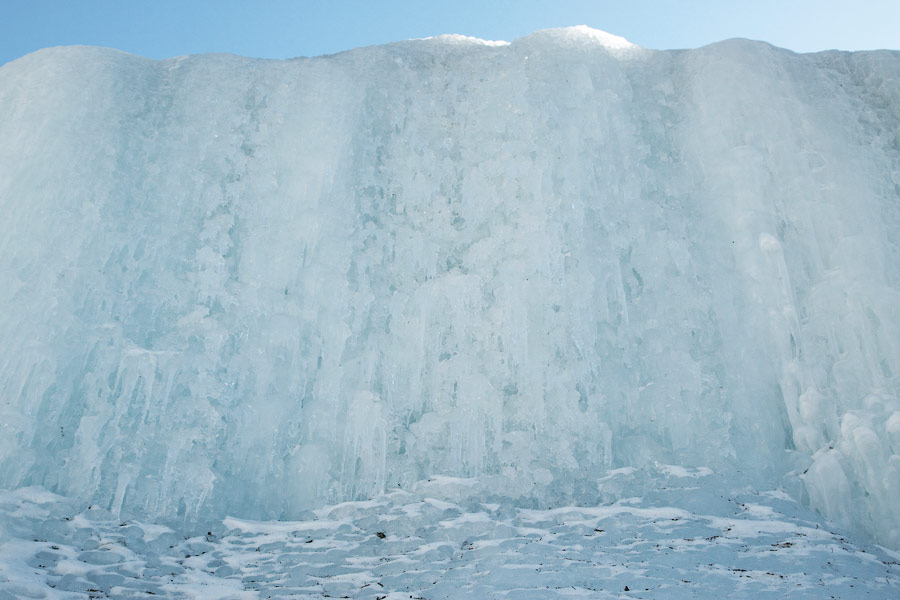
(247, 288)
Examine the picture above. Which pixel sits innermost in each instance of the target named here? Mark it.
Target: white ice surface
(252, 288)
(402, 545)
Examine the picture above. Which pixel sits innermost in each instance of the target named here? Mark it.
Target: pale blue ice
(248, 289)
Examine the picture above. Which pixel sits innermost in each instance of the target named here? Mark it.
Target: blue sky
(286, 28)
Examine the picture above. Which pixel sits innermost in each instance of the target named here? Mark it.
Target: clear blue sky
(286, 28)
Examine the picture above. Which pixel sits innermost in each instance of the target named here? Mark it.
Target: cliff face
(235, 286)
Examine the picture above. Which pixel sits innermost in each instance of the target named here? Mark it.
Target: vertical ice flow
(250, 287)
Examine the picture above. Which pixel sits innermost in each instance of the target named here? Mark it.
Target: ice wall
(246, 287)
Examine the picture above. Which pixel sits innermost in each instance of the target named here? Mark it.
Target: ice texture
(409, 544)
(247, 287)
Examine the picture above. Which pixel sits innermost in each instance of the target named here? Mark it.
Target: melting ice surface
(248, 288)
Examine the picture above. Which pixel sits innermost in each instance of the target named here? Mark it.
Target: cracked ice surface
(412, 544)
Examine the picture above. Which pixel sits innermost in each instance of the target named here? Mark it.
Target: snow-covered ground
(686, 538)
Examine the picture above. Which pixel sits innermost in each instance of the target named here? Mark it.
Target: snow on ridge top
(604, 38)
(577, 33)
(457, 38)
(583, 33)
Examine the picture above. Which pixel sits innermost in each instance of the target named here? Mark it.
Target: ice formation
(243, 287)
(403, 545)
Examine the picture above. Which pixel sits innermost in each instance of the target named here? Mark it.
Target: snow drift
(248, 287)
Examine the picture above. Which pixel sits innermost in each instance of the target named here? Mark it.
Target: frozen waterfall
(248, 287)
